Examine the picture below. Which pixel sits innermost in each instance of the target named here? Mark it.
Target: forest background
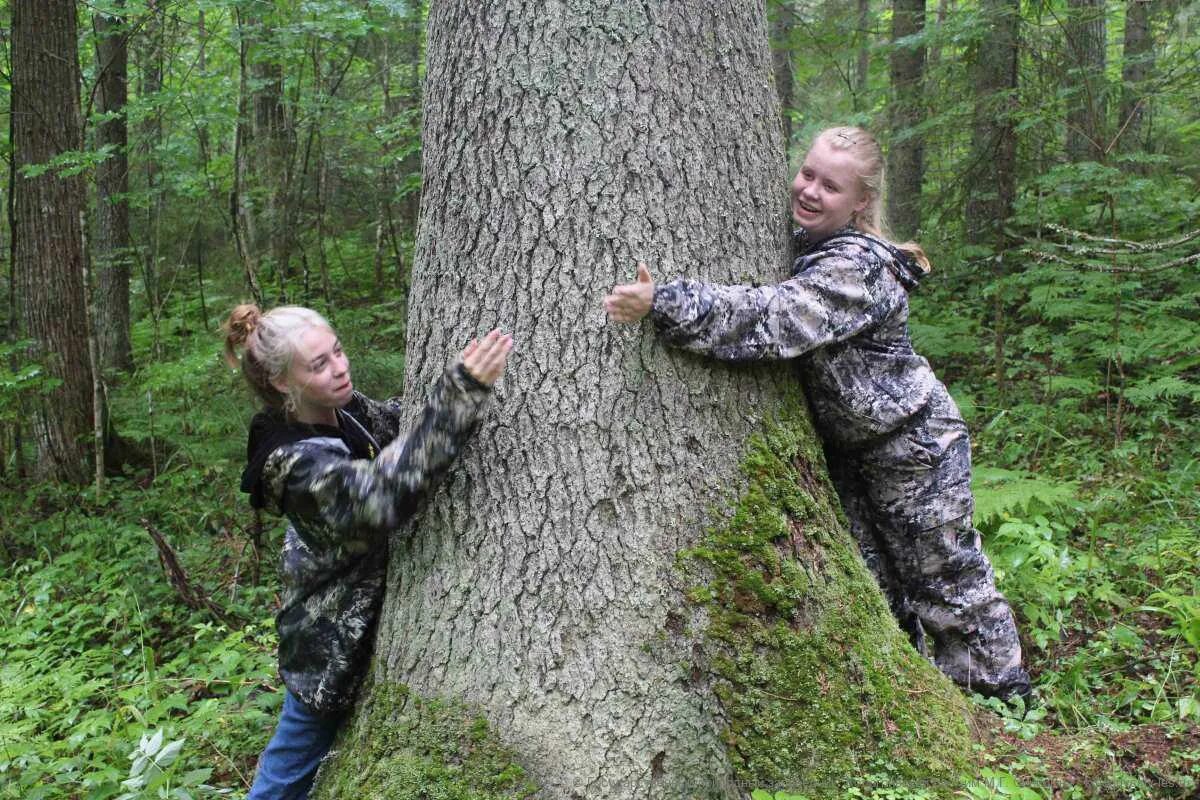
(1046, 154)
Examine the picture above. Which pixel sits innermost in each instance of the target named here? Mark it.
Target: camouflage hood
(907, 272)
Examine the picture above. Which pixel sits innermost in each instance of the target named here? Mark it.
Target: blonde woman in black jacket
(336, 464)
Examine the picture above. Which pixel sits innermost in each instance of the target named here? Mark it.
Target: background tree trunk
(272, 140)
(993, 145)
(547, 585)
(111, 242)
(906, 156)
(1137, 63)
(153, 57)
(47, 122)
(992, 176)
(241, 203)
(1086, 104)
(862, 70)
(782, 23)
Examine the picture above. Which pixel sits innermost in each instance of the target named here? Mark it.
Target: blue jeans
(287, 767)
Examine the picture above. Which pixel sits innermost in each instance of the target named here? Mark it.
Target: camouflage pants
(908, 500)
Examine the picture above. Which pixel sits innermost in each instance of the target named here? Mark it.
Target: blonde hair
(268, 343)
(872, 219)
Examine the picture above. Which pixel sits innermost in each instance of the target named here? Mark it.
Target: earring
(289, 404)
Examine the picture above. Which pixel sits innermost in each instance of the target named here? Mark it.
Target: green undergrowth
(1105, 589)
(110, 686)
(820, 687)
(405, 747)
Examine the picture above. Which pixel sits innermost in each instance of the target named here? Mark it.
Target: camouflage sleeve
(343, 500)
(828, 302)
(383, 418)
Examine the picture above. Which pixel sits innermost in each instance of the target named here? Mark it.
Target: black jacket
(343, 490)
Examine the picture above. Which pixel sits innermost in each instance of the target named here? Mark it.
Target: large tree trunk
(635, 573)
(1086, 104)
(906, 155)
(49, 239)
(111, 242)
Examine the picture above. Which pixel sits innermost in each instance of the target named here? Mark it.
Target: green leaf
(166, 757)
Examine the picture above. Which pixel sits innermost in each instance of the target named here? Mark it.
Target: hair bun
(242, 322)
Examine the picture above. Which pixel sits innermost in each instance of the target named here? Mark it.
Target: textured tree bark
(862, 69)
(782, 22)
(544, 585)
(906, 156)
(111, 243)
(1137, 62)
(49, 240)
(559, 149)
(1086, 41)
(993, 172)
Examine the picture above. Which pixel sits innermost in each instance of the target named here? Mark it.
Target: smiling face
(319, 376)
(827, 191)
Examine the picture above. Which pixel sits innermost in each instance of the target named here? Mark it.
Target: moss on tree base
(819, 685)
(403, 747)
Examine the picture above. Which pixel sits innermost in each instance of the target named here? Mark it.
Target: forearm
(744, 323)
(418, 460)
(336, 500)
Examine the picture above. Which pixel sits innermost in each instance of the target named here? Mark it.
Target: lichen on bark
(817, 683)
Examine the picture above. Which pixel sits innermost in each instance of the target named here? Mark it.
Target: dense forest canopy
(167, 159)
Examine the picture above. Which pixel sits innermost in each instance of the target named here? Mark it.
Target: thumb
(643, 274)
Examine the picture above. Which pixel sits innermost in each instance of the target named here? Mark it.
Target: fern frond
(1005, 491)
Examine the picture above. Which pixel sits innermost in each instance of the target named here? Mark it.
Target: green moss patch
(404, 747)
(819, 685)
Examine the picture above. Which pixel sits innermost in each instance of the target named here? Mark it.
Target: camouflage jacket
(843, 314)
(343, 490)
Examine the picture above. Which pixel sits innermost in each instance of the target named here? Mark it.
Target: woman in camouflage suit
(897, 447)
(336, 464)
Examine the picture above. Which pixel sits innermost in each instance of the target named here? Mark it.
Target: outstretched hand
(629, 302)
(485, 359)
